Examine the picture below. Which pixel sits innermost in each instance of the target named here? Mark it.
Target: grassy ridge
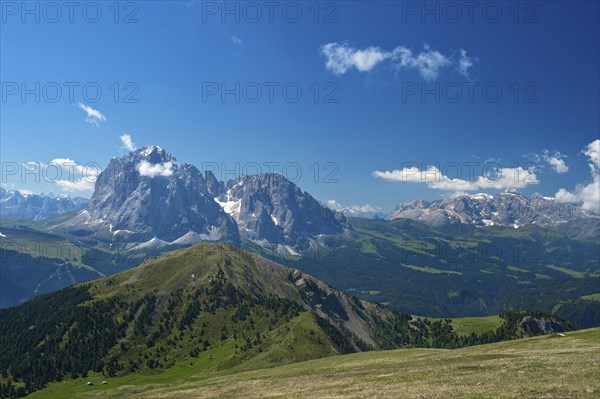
(549, 367)
(466, 325)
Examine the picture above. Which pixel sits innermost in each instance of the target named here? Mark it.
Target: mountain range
(146, 199)
(16, 205)
(453, 257)
(509, 208)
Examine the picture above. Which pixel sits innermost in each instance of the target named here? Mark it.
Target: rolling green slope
(467, 325)
(211, 306)
(178, 307)
(550, 367)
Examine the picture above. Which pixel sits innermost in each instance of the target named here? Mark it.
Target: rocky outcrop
(532, 326)
(269, 208)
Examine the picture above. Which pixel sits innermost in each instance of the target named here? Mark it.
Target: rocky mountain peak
(153, 153)
(146, 198)
(273, 211)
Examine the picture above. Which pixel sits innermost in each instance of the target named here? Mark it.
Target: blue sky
(369, 79)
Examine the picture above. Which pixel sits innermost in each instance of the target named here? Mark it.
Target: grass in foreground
(548, 367)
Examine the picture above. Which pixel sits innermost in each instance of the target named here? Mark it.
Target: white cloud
(127, 142)
(63, 167)
(93, 116)
(333, 204)
(464, 63)
(160, 169)
(82, 184)
(587, 195)
(67, 165)
(68, 174)
(556, 161)
(365, 209)
(592, 151)
(236, 40)
(428, 62)
(341, 57)
(432, 177)
(24, 192)
(73, 175)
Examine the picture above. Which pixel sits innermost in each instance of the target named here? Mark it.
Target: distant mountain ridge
(146, 199)
(14, 204)
(509, 208)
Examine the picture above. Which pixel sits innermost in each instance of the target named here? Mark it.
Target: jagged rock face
(147, 195)
(13, 204)
(533, 326)
(269, 207)
(505, 209)
(148, 199)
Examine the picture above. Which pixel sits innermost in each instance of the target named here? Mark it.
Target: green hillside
(549, 367)
(210, 306)
(467, 325)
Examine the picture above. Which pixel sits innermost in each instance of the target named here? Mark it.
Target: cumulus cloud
(67, 165)
(68, 174)
(145, 168)
(556, 161)
(60, 168)
(82, 184)
(365, 209)
(587, 195)
(592, 151)
(72, 176)
(333, 204)
(93, 116)
(428, 62)
(127, 142)
(432, 177)
(341, 57)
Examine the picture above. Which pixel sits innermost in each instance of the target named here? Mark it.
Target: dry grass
(547, 367)
(543, 367)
